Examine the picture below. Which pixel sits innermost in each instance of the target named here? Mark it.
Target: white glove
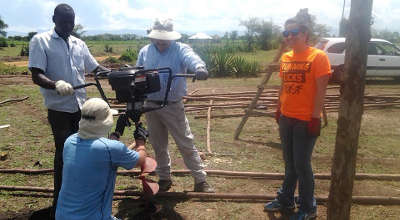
(63, 88)
(201, 73)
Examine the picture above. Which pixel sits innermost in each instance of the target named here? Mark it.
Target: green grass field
(11, 53)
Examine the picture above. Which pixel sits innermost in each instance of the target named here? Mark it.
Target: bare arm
(139, 147)
(41, 80)
(322, 83)
(100, 68)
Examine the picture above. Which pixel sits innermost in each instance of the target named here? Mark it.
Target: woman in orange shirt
(304, 72)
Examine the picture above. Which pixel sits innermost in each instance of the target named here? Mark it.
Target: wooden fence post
(350, 111)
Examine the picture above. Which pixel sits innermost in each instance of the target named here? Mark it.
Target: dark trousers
(63, 124)
(297, 150)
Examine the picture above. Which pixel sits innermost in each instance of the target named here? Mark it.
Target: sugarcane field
(281, 117)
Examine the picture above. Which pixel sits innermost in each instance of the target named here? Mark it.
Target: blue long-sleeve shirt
(179, 57)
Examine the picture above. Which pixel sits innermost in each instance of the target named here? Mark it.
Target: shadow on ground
(139, 209)
(42, 214)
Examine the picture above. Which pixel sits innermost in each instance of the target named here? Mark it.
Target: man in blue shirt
(58, 61)
(91, 162)
(165, 52)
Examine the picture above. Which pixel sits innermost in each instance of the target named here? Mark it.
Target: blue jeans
(297, 148)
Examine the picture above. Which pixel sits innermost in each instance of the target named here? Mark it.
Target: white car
(383, 57)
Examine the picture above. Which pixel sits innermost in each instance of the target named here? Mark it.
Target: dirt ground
(258, 150)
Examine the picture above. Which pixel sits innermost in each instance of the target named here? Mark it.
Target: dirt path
(17, 63)
(25, 62)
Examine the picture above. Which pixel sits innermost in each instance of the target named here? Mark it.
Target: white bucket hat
(96, 120)
(163, 30)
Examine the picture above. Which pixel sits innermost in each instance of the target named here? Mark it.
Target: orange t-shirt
(299, 72)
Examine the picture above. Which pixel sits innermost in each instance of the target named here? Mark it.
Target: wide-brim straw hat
(163, 30)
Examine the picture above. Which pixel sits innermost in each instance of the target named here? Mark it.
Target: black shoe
(203, 187)
(164, 185)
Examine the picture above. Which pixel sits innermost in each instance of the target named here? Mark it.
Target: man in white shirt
(58, 62)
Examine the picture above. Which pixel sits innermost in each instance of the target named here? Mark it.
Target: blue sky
(189, 16)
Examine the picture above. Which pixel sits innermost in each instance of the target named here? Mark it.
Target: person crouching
(90, 164)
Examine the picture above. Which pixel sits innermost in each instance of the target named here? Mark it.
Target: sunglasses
(293, 32)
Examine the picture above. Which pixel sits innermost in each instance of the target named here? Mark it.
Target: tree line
(258, 34)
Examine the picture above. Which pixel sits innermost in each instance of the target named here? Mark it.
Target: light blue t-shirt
(179, 57)
(50, 53)
(89, 174)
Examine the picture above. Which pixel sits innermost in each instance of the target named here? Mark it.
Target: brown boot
(203, 187)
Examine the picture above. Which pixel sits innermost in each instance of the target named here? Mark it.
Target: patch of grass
(12, 70)
(10, 51)
(129, 56)
(118, 47)
(263, 57)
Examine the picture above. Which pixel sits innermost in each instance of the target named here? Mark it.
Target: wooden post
(350, 112)
(260, 89)
(209, 127)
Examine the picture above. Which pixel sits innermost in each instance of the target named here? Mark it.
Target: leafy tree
(391, 36)
(2, 27)
(184, 38)
(226, 36)
(78, 31)
(317, 30)
(17, 38)
(30, 35)
(233, 35)
(267, 32)
(3, 42)
(321, 30)
(261, 32)
(130, 55)
(251, 25)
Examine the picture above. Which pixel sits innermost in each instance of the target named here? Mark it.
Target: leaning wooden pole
(350, 111)
(260, 89)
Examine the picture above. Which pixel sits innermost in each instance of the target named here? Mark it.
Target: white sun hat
(96, 120)
(163, 30)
